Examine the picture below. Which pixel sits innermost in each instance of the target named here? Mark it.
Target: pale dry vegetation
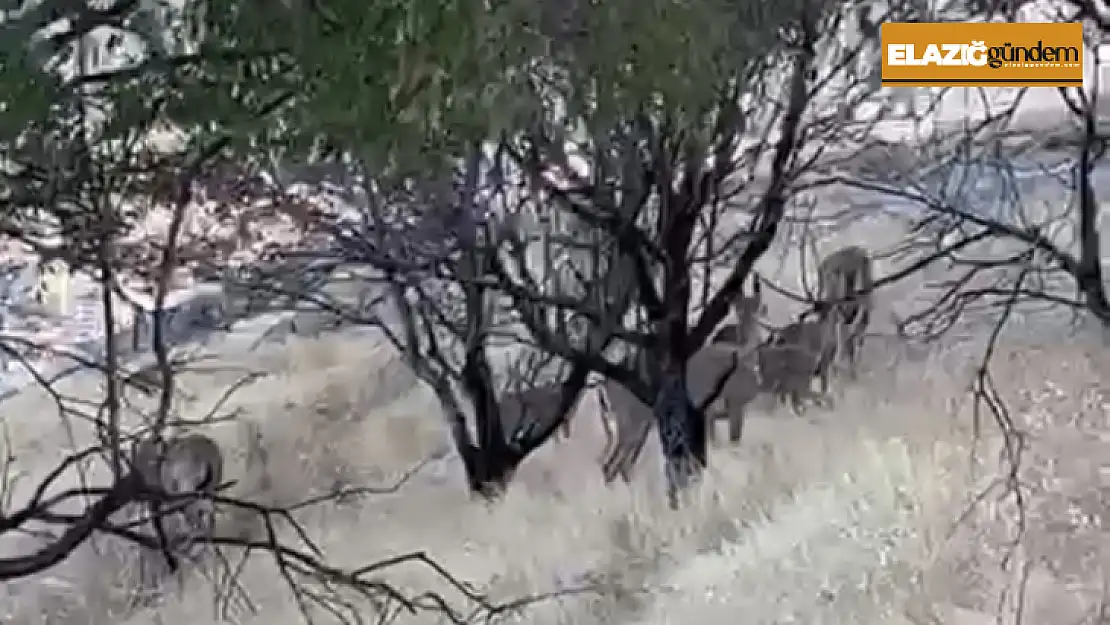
(843, 516)
(962, 478)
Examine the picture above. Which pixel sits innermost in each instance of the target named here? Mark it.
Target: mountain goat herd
(782, 366)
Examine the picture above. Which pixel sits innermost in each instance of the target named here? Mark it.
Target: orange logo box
(982, 55)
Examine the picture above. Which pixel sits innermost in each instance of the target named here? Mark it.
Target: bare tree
(723, 379)
(82, 211)
(431, 289)
(658, 180)
(666, 187)
(1012, 217)
(674, 171)
(177, 502)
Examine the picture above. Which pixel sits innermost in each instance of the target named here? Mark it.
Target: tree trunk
(488, 469)
(1090, 278)
(682, 436)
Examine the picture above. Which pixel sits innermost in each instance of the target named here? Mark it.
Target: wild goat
(845, 282)
(186, 464)
(805, 349)
(748, 310)
(175, 468)
(792, 357)
(628, 421)
(534, 407)
(784, 365)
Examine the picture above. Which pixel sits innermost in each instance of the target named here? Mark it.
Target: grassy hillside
(843, 516)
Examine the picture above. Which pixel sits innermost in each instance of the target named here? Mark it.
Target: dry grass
(844, 516)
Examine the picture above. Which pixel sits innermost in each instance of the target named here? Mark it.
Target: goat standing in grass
(845, 282)
(170, 471)
(628, 421)
(810, 348)
(534, 407)
(793, 356)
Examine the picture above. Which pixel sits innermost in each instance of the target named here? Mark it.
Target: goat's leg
(608, 467)
(626, 454)
(780, 397)
(609, 427)
(799, 397)
(618, 464)
(822, 397)
(634, 454)
(855, 346)
(626, 471)
(611, 450)
(823, 400)
(796, 403)
(711, 426)
(612, 458)
(859, 335)
(564, 428)
(735, 424)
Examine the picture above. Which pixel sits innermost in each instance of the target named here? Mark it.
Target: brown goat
(175, 468)
(845, 282)
(792, 357)
(628, 421)
(538, 405)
